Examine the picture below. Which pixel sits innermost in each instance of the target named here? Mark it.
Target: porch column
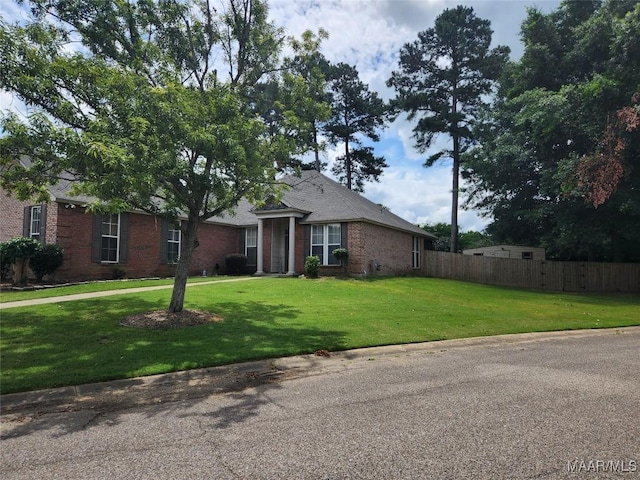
(292, 246)
(260, 249)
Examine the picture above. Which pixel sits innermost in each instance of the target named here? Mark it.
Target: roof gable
(328, 201)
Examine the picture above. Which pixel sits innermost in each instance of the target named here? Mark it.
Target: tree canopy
(468, 239)
(558, 161)
(146, 105)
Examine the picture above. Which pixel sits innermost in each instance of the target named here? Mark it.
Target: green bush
(18, 251)
(118, 272)
(18, 248)
(312, 266)
(236, 264)
(341, 254)
(47, 259)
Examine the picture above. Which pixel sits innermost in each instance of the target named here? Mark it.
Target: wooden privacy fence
(535, 274)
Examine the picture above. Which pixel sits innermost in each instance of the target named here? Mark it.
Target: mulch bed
(163, 320)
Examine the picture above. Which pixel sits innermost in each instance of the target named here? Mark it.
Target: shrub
(236, 263)
(47, 259)
(312, 266)
(341, 254)
(19, 248)
(118, 272)
(19, 251)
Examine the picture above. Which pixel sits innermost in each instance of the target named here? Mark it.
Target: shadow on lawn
(85, 336)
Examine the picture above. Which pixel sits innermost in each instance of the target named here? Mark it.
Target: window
(324, 240)
(527, 255)
(416, 252)
(174, 244)
(34, 222)
(110, 238)
(110, 233)
(35, 218)
(251, 245)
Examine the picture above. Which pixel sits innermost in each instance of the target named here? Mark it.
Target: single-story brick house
(321, 213)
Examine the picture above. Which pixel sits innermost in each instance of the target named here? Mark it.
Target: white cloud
(421, 195)
(11, 12)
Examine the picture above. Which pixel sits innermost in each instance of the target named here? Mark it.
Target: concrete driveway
(539, 406)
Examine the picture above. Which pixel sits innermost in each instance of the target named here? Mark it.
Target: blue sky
(369, 35)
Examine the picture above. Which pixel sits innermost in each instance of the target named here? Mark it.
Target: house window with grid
(324, 240)
(110, 238)
(174, 244)
(251, 245)
(415, 251)
(35, 219)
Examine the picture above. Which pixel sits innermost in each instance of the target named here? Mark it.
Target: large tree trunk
(318, 164)
(347, 163)
(454, 194)
(189, 244)
(20, 271)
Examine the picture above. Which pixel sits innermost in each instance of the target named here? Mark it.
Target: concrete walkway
(108, 293)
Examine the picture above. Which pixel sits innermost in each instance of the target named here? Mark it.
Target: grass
(82, 341)
(90, 287)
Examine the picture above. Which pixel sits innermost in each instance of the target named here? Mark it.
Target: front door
(280, 245)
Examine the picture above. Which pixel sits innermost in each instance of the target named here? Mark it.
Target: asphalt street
(540, 406)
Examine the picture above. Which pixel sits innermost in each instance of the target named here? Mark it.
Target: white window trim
(117, 237)
(325, 243)
(253, 243)
(32, 232)
(415, 252)
(254, 239)
(170, 240)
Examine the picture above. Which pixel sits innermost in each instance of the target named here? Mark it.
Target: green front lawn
(90, 287)
(82, 341)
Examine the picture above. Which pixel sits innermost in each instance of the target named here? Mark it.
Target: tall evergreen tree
(357, 114)
(443, 80)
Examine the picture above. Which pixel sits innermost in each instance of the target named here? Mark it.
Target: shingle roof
(326, 201)
(320, 198)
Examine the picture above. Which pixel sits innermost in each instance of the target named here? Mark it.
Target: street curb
(199, 383)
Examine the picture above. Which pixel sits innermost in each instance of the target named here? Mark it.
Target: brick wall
(74, 228)
(75, 236)
(11, 216)
(215, 242)
(391, 249)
